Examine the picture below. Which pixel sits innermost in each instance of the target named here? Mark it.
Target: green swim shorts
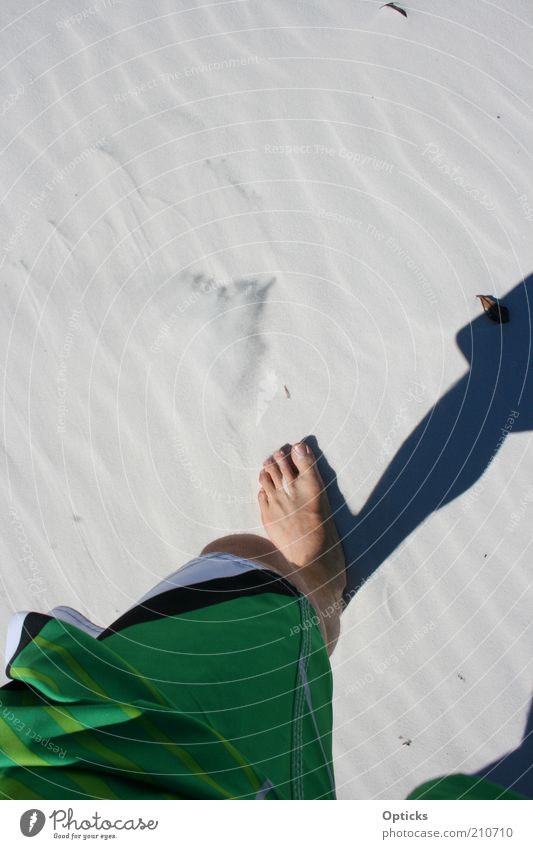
(219, 690)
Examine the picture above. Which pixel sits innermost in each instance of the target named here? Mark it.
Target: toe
(262, 497)
(266, 482)
(272, 468)
(287, 467)
(302, 456)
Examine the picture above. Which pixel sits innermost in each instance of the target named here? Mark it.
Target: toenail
(302, 449)
(278, 455)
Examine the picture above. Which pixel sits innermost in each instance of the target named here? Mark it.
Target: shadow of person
(514, 770)
(451, 449)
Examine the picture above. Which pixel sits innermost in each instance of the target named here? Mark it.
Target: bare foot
(297, 517)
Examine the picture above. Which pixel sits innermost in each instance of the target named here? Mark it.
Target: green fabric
(460, 786)
(229, 701)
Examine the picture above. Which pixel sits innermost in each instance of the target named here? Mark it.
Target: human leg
(303, 543)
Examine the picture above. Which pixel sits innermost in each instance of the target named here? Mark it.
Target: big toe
(302, 456)
(304, 460)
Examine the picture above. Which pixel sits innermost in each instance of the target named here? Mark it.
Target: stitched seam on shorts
(305, 661)
(296, 711)
(299, 707)
(309, 701)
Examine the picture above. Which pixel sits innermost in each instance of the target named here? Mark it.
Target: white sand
(202, 206)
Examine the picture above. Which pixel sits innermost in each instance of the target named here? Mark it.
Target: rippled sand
(233, 225)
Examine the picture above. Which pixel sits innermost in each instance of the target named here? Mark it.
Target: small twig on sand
(494, 310)
(395, 7)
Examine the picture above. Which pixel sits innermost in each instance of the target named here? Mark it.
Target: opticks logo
(31, 822)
